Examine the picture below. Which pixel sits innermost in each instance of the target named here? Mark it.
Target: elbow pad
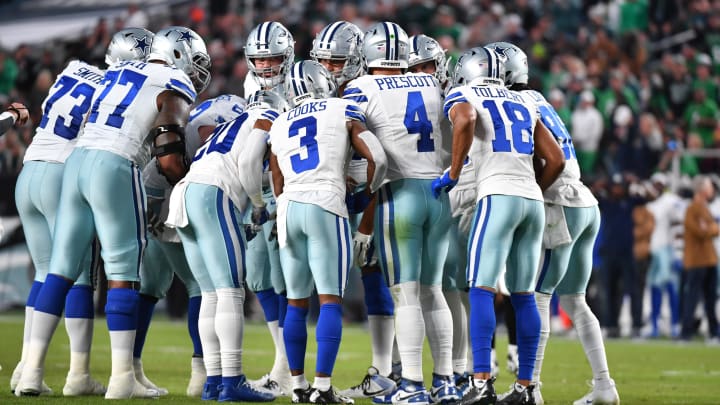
(168, 139)
(379, 157)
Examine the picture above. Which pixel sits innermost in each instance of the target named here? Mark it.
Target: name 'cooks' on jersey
(124, 112)
(567, 190)
(504, 144)
(64, 110)
(312, 146)
(404, 112)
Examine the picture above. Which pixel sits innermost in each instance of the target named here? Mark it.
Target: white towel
(556, 229)
(281, 221)
(177, 214)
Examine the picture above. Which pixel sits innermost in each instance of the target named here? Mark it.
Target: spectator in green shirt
(703, 76)
(701, 116)
(8, 73)
(633, 16)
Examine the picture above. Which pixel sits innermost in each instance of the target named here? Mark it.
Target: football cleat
(242, 391)
(197, 378)
(463, 383)
(513, 363)
(518, 395)
(597, 395)
(15, 379)
(443, 390)
(410, 392)
(537, 395)
(329, 397)
(30, 383)
(372, 385)
(302, 395)
(83, 384)
(210, 392)
(125, 386)
(482, 392)
(142, 379)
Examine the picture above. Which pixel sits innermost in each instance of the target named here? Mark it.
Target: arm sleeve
(452, 99)
(7, 120)
(251, 165)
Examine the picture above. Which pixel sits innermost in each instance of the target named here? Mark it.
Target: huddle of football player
(372, 154)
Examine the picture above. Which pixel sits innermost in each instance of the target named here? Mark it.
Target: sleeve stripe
(270, 115)
(451, 102)
(357, 99)
(183, 88)
(354, 116)
(352, 90)
(351, 107)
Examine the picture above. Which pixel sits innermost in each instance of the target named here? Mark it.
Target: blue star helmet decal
(185, 36)
(142, 44)
(501, 50)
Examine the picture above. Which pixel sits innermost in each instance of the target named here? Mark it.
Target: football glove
(361, 245)
(443, 182)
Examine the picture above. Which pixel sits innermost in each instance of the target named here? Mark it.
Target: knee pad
(406, 294)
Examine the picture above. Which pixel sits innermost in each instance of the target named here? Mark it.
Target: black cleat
(480, 393)
(302, 396)
(518, 395)
(329, 397)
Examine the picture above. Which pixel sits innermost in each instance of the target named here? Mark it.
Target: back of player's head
(307, 80)
(516, 66)
(339, 41)
(424, 49)
(269, 39)
(129, 44)
(267, 99)
(385, 45)
(200, 58)
(172, 46)
(479, 66)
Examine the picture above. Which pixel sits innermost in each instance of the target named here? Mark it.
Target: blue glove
(443, 182)
(259, 215)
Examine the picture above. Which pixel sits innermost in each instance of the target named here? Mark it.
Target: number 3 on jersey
(417, 122)
(300, 164)
(520, 126)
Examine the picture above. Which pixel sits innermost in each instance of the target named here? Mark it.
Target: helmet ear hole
(177, 54)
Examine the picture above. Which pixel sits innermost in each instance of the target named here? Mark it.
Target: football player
(310, 150)
(337, 48)
(269, 52)
(404, 111)
(207, 208)
(572, 224)
(509, 217)
(16, 113)
(37, 197)
(103, 194)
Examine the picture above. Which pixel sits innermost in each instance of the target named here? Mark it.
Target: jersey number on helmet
(309, 125)
(417, 122)
(222, 138)
(520, 125)
(122, 78)
(61, 88)
(553, 122)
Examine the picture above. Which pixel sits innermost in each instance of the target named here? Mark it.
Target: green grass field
(658, 372)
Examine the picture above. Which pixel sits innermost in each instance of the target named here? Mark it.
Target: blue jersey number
(113, 77)
(199, 110)
(70, 85)
(520, 123)
(309, 124)
(417, 122)
(552, 121)
(222, 138)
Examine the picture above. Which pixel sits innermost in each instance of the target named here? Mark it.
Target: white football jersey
(404, 112)
(503, 138)
(123, 113)
(567, 190)
(312, 146)
(64, 112)
(217, 161)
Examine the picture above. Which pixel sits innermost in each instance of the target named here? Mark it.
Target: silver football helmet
(267, 99)
(339, 41)
(306, 80)
(516, 66)
(423, 49)
(200, 58)
(479, 66)
(267, 40)
(385, 45)
(129, 44)
(172, 46)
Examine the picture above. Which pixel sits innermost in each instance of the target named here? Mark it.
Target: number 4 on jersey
(417, 122)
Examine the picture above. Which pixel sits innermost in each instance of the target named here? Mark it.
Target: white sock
(27, 328)
(543, 306)
(469, 354)
(590, 334)
(43, 328)
(280, 366)
(121, 348)
(460, 331)
(322, 383)
(229, 323)
(208, 337)
(299, 382)
(409, 328)
(382, 336)
(80, 333)
(438, 328)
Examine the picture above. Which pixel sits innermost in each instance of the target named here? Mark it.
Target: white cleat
(284, 381)
(606, 396)
(197, 378)
(125, 386)
(15, 379)
(537, 395)
(142, 379)
(31, 383)
(372, 385)
(82, 384)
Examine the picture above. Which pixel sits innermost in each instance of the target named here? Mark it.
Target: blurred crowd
(636, 81)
